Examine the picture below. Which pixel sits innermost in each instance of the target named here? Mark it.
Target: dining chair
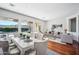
(41, 47)
(14, 51)
(31, 51)
(5, 47)
(39, 36)
(1, 51)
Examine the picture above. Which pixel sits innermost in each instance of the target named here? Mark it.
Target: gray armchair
(5, 47)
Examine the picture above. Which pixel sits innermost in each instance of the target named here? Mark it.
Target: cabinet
(73, 28)
(76, 46)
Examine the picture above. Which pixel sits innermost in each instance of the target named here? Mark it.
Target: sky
(8, 23)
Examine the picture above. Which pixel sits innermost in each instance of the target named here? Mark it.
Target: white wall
(57, 21)
(61, 20)
(23, 18)
(78, 29)
(65, 22)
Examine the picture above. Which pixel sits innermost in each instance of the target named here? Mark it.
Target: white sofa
(67, 38)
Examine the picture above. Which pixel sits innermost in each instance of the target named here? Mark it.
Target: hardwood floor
(61, 48)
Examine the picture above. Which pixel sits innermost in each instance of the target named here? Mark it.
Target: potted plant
(21, 34)
(24, 36)
(28, 37)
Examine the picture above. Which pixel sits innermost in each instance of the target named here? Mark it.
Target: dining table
(22, 45)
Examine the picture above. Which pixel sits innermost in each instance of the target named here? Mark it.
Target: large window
(73, 24)
(26, 30)
(8, 26)
(11, 26)
(8, 29)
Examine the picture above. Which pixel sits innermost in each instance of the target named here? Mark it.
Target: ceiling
(44, 11)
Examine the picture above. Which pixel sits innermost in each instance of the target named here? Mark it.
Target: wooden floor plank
(64, 49)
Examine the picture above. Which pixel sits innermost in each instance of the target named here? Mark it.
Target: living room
(46, 26)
